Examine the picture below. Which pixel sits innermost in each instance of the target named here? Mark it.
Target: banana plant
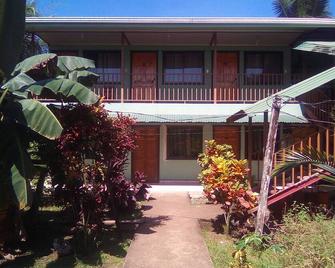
(309, 156)
(23, 118)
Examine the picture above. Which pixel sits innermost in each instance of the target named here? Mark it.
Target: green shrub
(308, 239)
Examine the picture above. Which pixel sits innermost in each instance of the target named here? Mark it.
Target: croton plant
(225, 181)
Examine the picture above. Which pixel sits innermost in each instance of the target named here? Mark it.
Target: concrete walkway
(170, 236)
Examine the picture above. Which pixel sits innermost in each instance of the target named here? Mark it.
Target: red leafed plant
(88, 164)
(224, 180)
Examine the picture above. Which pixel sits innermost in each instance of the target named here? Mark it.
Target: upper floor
(189, 60)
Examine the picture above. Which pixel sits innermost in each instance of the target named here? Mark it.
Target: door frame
(157, 153)
(131, 64)
(225, 51)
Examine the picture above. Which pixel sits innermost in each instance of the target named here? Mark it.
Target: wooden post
(214, 72)
(250, 149)
(267, 166)
(265, 129)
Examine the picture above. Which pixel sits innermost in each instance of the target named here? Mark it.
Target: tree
(301, 8)
(32, 43)
(24, 119)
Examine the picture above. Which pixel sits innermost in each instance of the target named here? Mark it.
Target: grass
(52, 223)
(305, 241)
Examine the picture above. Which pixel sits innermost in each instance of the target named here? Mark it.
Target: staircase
(299, 178)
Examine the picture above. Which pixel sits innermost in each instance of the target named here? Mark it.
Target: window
(184, 142)
(264, 68)
(183, 67)
(107, 65)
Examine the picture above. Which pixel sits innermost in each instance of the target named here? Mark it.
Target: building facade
(182, 78)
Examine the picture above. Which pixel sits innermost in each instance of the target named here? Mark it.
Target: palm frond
(309, 156)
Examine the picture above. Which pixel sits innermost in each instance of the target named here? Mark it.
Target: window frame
(184, 157)
(261, 79)
(202, 82)
(104, 82)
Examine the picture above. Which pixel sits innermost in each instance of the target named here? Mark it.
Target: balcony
(188, 88)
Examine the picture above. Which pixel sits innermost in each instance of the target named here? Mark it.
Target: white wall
(127, 171)
(179, 169)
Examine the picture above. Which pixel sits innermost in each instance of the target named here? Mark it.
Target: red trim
(290, 190)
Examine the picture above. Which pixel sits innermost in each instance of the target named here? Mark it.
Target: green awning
(318, 46)
(289, 93)
(161, 113)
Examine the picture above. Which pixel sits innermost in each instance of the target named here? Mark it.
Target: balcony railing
(146, 87)
(188, 88)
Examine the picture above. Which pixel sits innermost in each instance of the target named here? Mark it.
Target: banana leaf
(66, 88)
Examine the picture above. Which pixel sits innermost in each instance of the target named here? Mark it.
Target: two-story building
(181, 78)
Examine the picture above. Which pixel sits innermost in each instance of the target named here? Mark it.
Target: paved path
(170, 236)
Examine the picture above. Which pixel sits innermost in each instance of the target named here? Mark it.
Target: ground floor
(170, 136)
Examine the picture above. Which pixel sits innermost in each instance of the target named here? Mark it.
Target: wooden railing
(184, 95)
(322, 140)
(187, 87)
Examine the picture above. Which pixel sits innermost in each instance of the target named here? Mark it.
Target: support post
(214, 71)
(122, 73)
(250, 149)
(265, 129)
(267, 166)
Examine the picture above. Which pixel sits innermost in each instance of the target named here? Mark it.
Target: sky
(160, 8)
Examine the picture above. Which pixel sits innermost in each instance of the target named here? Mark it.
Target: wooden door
(226, 80)
(145, 158)
(144, 76)
(228, 135)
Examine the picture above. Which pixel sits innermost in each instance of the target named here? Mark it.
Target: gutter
(176, 23)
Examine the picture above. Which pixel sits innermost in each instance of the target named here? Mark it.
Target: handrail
(321, 140)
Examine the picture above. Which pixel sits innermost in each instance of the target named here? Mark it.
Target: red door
(226, 80)
(228, 135)
(145, 158)
(144, 75)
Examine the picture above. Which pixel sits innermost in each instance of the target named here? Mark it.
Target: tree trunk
(267, 166)
(38, 194)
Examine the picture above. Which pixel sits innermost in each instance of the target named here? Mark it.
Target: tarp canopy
(318, 46)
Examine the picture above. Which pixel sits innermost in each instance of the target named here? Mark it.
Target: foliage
(23, 119)
(301, 8)
(224, 180)
(325, 165)
(304, 239)
(32, 43)
(87, 163)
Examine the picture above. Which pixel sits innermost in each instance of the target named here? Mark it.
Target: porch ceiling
(198, 113)
(171, 38)
(173, 31)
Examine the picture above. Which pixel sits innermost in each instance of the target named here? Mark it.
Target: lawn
(303, 241)
(52, 223)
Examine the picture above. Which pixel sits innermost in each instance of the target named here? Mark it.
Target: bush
(307, 237)
(87, 164)
(225, 181)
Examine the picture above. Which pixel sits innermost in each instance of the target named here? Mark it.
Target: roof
(197, 113)
(325, 47)
(117, 23)
(288, 93)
